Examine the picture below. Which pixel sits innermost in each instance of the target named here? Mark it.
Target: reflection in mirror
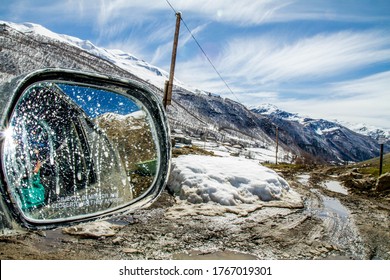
(72, 150)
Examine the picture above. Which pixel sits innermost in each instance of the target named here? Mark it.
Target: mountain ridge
(372, 131)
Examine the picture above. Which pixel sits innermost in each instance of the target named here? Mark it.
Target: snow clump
(228, 181)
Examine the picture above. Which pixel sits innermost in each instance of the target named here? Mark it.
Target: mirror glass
(72, 150)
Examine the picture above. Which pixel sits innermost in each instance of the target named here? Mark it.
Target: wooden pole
(381, 161)
(166, 85)
(168, 94)
(277, 145)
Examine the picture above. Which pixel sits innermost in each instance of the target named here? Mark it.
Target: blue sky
(328, 59)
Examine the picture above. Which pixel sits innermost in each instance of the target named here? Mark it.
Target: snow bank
(227, 181)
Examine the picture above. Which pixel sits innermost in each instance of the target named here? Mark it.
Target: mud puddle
(335, 186)
(335, 208)
(339, 225)
(218, 255)
(52, 239)
(304, 179)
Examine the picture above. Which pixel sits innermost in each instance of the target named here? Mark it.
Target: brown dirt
(165, 231)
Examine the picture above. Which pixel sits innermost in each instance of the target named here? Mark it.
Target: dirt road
(327, 225)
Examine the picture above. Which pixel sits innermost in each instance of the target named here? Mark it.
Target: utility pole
(277, 145)
(381, 161)
(381, 141)
(169, 84)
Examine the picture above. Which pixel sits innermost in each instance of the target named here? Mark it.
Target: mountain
(26, 47)
(372, 131)
(368, 130)
(131, 134)
(325, 139)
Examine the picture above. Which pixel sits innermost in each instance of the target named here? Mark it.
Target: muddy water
(334, 206)
(219, 255)
(304, 179)
(338, 223)
(335, 186)
(329, 207)
(52, 238)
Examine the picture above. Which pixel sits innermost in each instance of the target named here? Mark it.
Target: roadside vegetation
(371, 166)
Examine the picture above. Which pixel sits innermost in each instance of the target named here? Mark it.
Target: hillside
(372, 166)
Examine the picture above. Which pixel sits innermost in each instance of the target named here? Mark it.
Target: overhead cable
(204, 53)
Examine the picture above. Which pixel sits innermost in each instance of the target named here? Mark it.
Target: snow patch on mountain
(272, 110)
(134, 120)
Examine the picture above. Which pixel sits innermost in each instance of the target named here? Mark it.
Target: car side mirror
(79, 146)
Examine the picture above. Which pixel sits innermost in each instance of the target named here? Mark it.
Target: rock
(383, 182)
(131, 251)
(93, 230)
(41, 233)
(356, 175)
(322, 250)
(285, 256)
(117, 240)
(363, 184)
(313, 252)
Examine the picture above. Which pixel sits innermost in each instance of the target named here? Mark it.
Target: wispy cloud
(265, 59)
(364, 100)
(244, 12)
(363, 109)
(376, 85)
(249, 12)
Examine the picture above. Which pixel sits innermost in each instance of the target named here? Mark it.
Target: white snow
(228, 181)
(138, 115)
(270, 109)
(321, 131)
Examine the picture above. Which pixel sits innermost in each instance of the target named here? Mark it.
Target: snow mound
(228, 181)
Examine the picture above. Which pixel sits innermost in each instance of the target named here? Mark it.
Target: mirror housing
(77, 147)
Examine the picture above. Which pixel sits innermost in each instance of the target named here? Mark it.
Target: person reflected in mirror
(38, 164)
(32, 192)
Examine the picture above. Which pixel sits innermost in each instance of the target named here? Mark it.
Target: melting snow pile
(227, 181)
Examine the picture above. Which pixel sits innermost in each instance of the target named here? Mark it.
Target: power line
(204, 53)
(171, 6)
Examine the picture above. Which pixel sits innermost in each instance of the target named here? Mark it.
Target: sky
(319, 58)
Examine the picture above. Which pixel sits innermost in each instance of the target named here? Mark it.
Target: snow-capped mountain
(368, 130)
(270, 109)
(126, 61)
(26, 47)
(322, 126)
(325, 139)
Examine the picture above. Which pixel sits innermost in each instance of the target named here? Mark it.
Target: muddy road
(331, 223)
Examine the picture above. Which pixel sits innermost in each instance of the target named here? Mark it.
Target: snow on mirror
(72, 150)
